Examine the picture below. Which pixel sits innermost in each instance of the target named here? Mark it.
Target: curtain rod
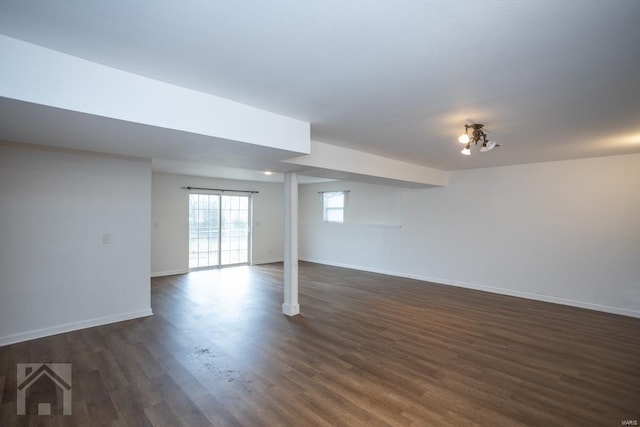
(221, 190)
(334, 191)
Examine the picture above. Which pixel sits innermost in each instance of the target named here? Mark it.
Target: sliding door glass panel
(204, 230)
(234, 230)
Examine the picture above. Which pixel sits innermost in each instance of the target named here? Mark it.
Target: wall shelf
(335, 224)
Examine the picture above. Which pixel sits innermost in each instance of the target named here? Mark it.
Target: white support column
(291, 306)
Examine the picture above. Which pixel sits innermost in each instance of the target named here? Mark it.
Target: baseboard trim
(502, 291)
(268, 261)
(168, 273)
(73, 326)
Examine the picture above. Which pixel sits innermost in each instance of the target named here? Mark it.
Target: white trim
(290, 309)
(485, 288)
(73, 326)
(267, 261)
(169, 272)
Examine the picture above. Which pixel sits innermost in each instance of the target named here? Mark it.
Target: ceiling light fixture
(477, 136)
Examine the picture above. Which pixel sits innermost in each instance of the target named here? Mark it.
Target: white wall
(170, 220)
(56, 274)
(366, 205)
(565, 232)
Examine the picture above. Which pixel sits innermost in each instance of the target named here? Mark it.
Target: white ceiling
(551, 80)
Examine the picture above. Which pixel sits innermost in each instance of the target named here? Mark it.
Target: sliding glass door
(218, 230)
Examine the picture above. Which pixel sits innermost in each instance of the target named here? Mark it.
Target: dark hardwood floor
(367, 350)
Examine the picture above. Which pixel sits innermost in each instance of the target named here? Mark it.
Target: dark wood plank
(367, 350)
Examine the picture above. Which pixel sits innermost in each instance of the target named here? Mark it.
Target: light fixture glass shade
(466, 150)
(463, 139)
(488, 146)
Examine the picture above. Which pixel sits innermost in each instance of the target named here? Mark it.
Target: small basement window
(333, 206)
